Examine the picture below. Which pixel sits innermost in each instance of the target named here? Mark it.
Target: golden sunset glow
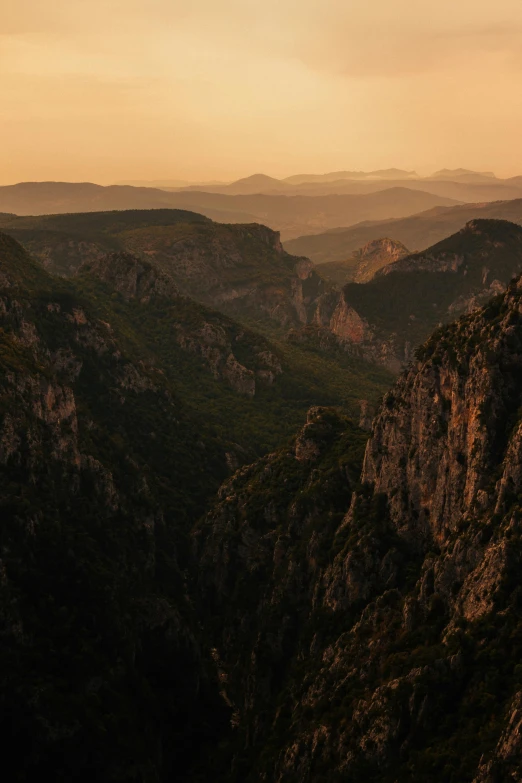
(217, 89)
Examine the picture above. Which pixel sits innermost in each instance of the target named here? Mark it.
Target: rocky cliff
(374, 631)
(239, 269)
(123, 406)
(346, 609)
(408, 299)
(213, 338)
(399, 305)
(362, 265)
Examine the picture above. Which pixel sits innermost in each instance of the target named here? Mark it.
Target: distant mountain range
(416, 232)
(166, 183)
(291, 215)
(381, 174)
(459, 184)
(264, 181)
(464, 175)
(293, 207)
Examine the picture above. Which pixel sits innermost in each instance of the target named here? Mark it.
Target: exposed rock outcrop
(375, 255)
(404, 662)
(133, 278)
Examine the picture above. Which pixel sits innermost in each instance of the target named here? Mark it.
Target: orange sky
(104, 90)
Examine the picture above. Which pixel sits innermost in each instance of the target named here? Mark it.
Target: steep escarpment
(196, 345)
(405, 660)
(239, 269)
(240, 272)
(215, 339)
(406, 300)
(102, 674)
(362, 265)
(260, 552)
(387, 317)
(123, 406)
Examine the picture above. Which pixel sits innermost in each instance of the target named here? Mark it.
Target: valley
(260, 391)
(304, 568)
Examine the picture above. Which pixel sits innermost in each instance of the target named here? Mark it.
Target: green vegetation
(113, 438)
(363, 646)
(339, 272)
(410, 303)
(204, 258)
(103, 471)
(258, 424)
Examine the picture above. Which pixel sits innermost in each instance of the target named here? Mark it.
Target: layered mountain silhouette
(417, 232)
(334, 176)
(292, 215)
(459, 184)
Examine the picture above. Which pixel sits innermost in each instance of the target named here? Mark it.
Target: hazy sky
(103, 90)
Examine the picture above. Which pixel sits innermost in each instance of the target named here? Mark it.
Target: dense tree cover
(112, 440)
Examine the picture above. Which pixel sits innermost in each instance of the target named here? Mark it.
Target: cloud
(398, 37)
(344, 37)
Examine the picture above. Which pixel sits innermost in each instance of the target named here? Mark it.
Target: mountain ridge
(417, 232)
(406, 300)
(284, 213)
(403, 662)
(364, 263)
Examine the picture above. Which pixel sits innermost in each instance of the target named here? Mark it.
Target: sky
(110, 90)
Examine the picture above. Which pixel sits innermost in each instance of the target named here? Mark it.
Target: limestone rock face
(347, 324)
(310, 441)
(437, 434)
(407, 299)
(376, 644)
(212, 341)
(375, 255)
(391, 304)
(505, 764)
(133, 278)
(338, 322)
(239, 269)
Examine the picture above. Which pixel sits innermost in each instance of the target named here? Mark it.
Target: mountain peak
(259, 177)
(464, 175)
